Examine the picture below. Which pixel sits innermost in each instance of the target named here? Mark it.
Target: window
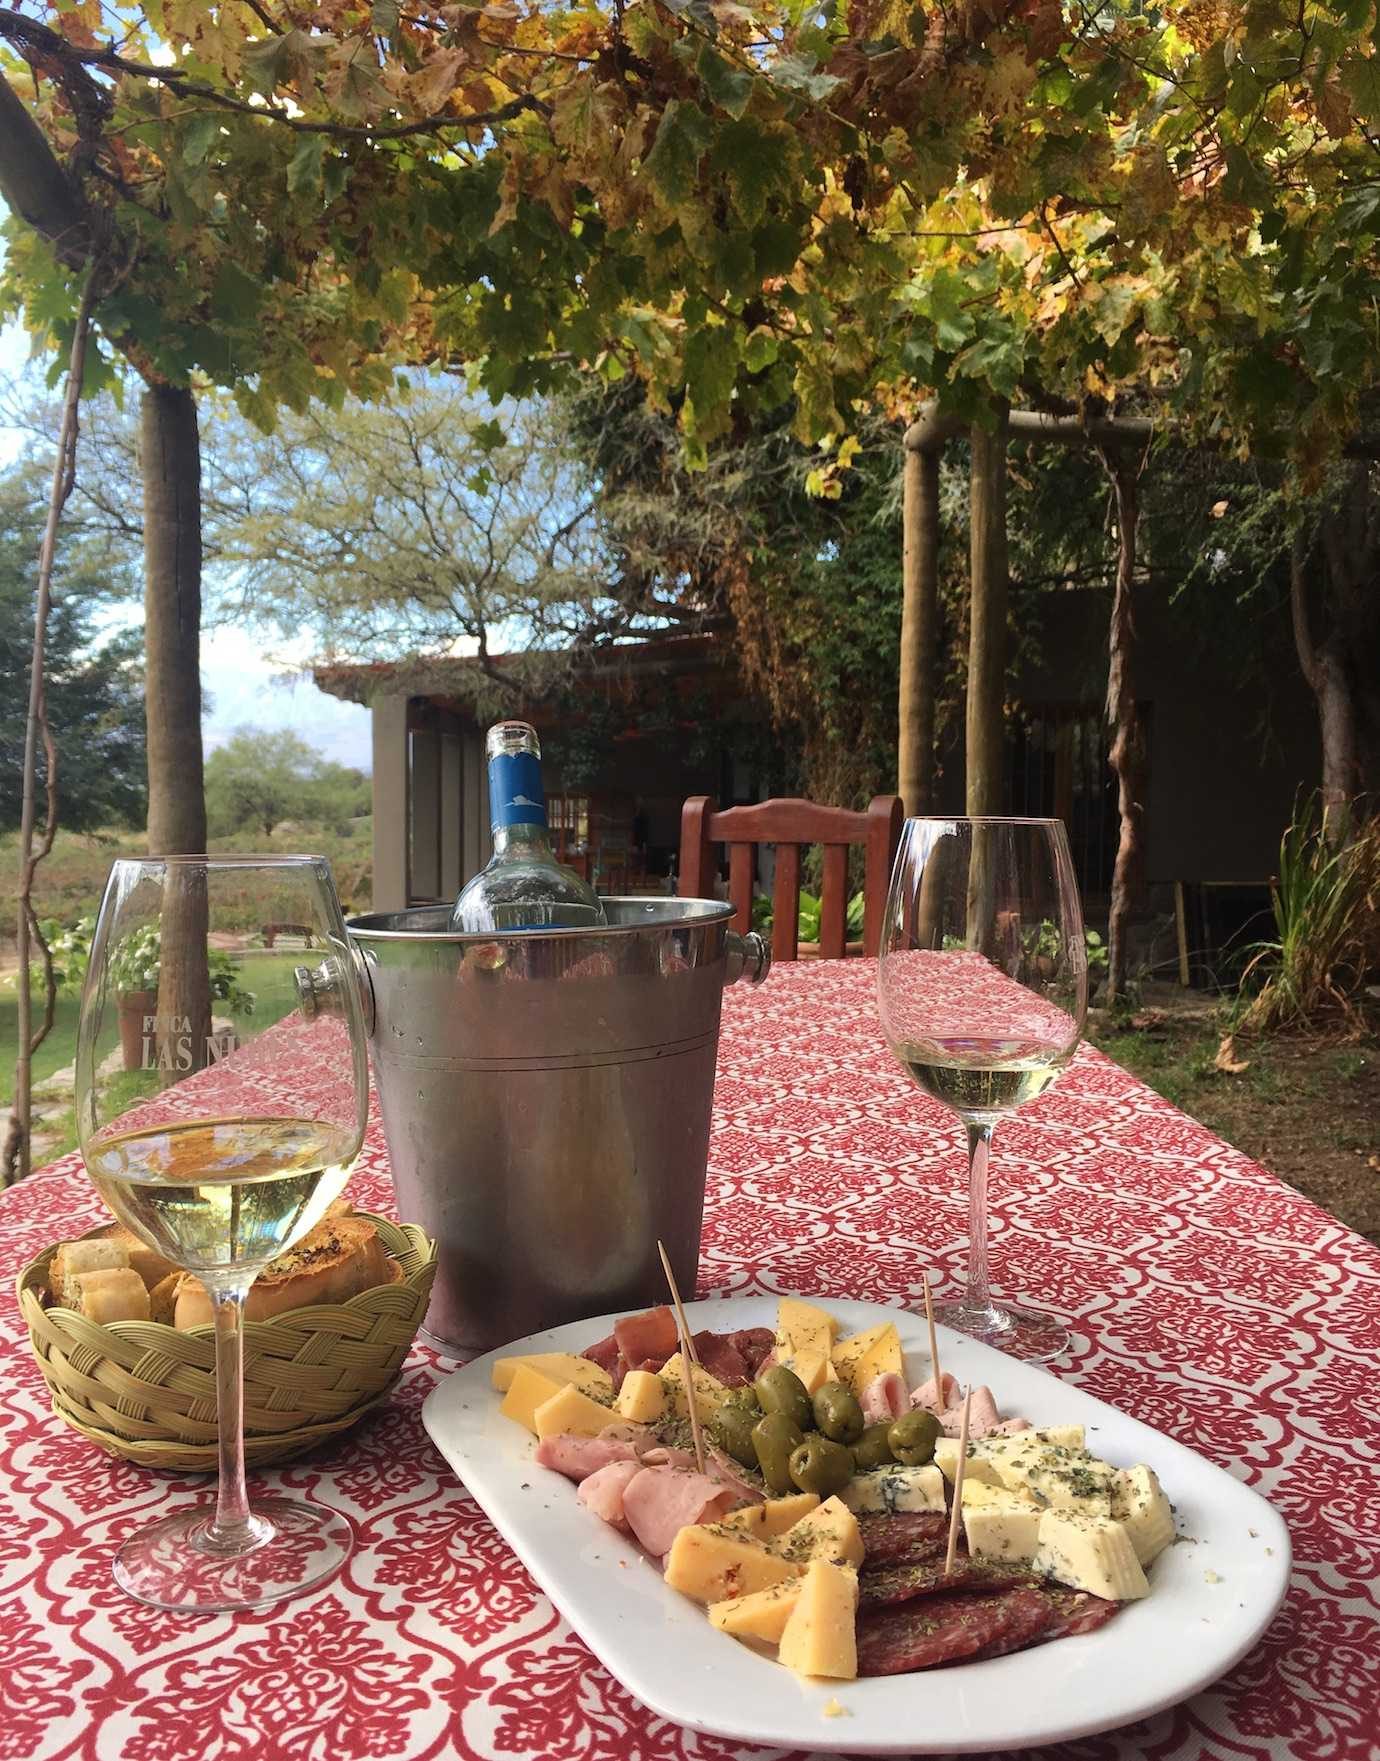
(568, 818)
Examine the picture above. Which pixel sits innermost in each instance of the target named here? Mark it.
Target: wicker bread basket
(147, 1392)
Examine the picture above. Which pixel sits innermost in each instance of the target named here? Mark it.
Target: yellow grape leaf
(1226, 1059)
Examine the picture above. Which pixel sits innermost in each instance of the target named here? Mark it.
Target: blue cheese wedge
(1140, 1506)
(999, 1524)
(895, 1489)
(1068, 1480)
(1087, 1552)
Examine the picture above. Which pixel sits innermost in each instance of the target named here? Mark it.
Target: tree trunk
(919, 629)
(171, 461)
(1127, 756)
(1342, 667)
(986, 717)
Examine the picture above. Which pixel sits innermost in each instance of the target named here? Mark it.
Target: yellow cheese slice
(762, 1615)
(766, 1521)
(710, 1393)
(528, 1389)
(642, 1398)
(813, 1367)
(819, 1636)
(570, 1413)
(800, 1326)
(712, 1564)
(866, 1356)
(830, 1532)
(560, 1366)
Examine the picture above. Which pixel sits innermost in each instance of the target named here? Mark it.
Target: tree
(261, 777)
(93, 685)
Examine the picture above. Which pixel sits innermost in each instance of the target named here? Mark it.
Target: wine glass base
(1018, 1331)
(291, 1547)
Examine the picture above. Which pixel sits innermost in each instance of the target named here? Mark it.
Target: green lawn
(58, 1049)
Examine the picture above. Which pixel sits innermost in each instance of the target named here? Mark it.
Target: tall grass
(1326, 904)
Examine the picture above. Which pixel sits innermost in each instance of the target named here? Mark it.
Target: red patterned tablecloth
(1207, 1299)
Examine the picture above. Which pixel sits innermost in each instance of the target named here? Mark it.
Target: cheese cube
(978, 1466)
(813, 1368)
(1092, 1553)
(762, 1615)
(713, 1564)
(819, 1637)
(866, 1356)
(978, 1492)
(768, 1520)
(559, 1366)
(800, 1326)
(896, 1488)
(1062, 1436)
(830, 1532)
(642, 1398)
(527, 1391)
(1140, 1506)
(1067, 1482)
(710, 1393)
(570, 1412)
(1001, 1525)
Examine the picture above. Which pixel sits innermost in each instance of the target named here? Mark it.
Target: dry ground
(1308, 1108)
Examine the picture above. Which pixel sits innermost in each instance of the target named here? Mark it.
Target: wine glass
(983, 986)
(222, 1092)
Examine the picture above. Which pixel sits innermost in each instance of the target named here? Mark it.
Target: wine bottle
(523, 886)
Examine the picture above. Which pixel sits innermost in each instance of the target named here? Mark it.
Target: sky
(252, 677)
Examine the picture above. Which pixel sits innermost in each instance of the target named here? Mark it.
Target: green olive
(773, 1439)
(731, 1428)
(912, 1437)
(819, 1465)
(838, 1414)
(781, 1390)
(746, 1398)
(872, 1450)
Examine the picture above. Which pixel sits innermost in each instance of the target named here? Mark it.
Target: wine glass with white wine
(983, 986)
(222, 1091)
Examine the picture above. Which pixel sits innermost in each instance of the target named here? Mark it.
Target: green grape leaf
(304, 167)
(729, 87)
(673, 164)
(200, 135)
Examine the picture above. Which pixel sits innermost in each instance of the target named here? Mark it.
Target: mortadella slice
(661, 1501)
(937, 1400)
(884, 1398)
(602, 1491)
(577, 1457)
(983, 1416)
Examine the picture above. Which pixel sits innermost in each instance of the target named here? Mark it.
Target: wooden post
(985, 728)
(450, 811)
(1127, 756)
(919, 628)
(390, 793)
(425, 813)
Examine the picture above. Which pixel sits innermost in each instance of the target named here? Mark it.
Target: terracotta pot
(135, 1007)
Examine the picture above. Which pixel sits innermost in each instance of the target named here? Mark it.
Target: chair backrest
(788, 823)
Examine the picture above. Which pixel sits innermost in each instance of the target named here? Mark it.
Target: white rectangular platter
(1211, 1597)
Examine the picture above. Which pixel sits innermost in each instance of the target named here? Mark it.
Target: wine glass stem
(979, 1147)
(231, 1531)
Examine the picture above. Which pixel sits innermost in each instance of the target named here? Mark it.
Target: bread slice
(74, 1259)
(335, 1261)
(116, 1294)
(146, 1261)
(163, 1299)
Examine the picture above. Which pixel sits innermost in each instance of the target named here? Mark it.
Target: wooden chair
(788, 823)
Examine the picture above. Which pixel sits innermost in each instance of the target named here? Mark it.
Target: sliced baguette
(146, 1261)
(338, 1259)
(117, 1294)
(76, 1259)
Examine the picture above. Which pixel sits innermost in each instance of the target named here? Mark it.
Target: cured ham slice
(883, 1399)
(649, 1335)
(661, 1501)
(602, 1491)
(721, 1357)
(578, 1457)
(936, 1399)
(603, 1352)
(754, 1345)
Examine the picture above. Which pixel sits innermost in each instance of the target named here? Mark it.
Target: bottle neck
(524, 838)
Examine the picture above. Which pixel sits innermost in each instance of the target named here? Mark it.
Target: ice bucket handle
(316, 990)
(747, 958)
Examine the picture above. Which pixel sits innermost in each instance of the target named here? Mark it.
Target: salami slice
(907, 1583)
(1031, 1618)
(1076, 1611)
(940, 1629)
(891, 1537)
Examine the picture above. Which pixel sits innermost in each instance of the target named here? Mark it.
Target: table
(1207, 1299)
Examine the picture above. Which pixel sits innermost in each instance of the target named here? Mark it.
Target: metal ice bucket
(546, 1098)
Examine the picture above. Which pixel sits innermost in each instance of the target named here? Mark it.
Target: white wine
(982, 1078)
(220, 1193)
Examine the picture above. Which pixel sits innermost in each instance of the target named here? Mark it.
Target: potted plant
(134, 974)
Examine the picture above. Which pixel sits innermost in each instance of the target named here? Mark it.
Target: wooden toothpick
(934, 1347)
(958, 1486)
(689, 1361)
